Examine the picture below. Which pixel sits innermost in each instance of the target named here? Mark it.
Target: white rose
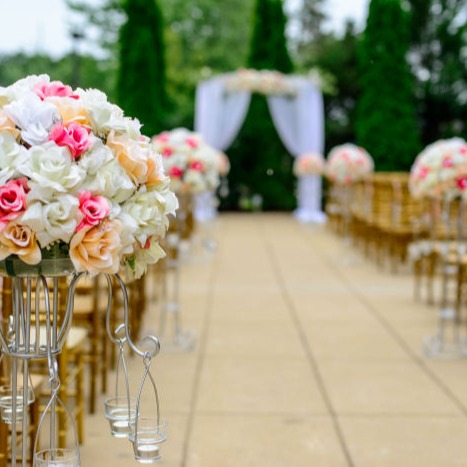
(147, 209)
(112, 182)
(11, 155)
(55, 220)
(143, 257)
(33, 116)
(195, 180)
(51, 169)
(93, 159)
(127, 235)
(105, 116)
(19, 88)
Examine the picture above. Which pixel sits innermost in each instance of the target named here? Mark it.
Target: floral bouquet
(190, 162)
(78, 180)
(347, 164)
(440, 170)
(308, 164)
(260, 81)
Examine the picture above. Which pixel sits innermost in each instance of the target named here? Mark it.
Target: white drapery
(219, 115)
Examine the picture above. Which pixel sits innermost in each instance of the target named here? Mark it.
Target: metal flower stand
(450, 342)
(172, 335)
(38, 329)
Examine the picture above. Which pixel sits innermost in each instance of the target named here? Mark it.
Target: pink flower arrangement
(308, 164)
(440, 170)
(347, 164)
(189, 161)
(78, 178)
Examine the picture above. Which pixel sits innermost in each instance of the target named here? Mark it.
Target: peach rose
(19, 240)
(71, 111)
(156, 173)
(131, 156)
(6, 125)
(96, 249)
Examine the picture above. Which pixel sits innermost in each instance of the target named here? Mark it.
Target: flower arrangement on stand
(193, 167)
(81, 192)
(439, 174)
(440, 170)
(78, 177)
(346, 164)
(308, 164)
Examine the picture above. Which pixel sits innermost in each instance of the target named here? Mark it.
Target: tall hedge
(141, 78)
(260, 163)
(386, 124)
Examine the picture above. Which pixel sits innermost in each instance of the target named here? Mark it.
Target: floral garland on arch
(347, 164)
(308, 164)
(269, 82)
(192, 165)
(440, 170)
(78, 178)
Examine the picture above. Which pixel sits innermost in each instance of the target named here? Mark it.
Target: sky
(42, 25)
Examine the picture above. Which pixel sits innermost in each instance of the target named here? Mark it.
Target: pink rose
(197, 165)
(447, 162)
(462, 183)
(93, 208)
(162, 138)
(73, 135)
(175, 172)
(192, 142)
(54, 89)
(167, 151)
(12, 200)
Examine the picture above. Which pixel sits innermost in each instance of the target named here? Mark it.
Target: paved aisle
(304, 358)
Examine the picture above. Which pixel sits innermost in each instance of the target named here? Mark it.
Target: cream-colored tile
(263, 441)
(406, 442)
(452, 374)
(354, 341)
(258, 385)
(383, 387)
(254, 339)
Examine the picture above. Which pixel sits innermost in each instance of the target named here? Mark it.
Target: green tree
(260, 163)
(439, 38)
(141, 77)
(386, 124)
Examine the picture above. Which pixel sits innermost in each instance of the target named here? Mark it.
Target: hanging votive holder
(120, 412)
(6, 403)
(57, 458)
(147, 434)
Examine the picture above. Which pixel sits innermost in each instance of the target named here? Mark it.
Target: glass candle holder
(119, 415)
(147, 439)
(57, 458)
(6, 403)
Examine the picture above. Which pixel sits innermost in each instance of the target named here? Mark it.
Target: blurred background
(164, 49)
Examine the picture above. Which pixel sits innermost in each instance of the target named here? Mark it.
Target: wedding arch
(296, 107)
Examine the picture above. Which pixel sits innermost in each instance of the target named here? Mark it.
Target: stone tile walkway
(307, 355)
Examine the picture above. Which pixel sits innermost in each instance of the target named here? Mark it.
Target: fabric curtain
(299, 121)
(219, 115)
